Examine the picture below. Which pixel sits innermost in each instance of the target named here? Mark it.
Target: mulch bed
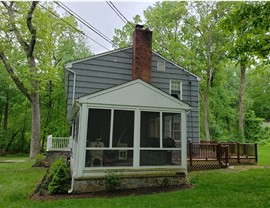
(111, 194)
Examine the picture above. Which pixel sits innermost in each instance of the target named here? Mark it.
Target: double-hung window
(176, 89)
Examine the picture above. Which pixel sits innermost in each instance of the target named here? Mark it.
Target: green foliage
(40, 160)
(112, 180)
(253, 127)
(57, 43)
(58, 178)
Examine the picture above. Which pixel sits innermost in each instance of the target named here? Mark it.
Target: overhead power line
(77, 30)
(87, 24)
(83, 21)
(119, 14)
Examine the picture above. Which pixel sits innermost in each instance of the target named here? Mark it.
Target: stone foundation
(51, 156)
(88, 185)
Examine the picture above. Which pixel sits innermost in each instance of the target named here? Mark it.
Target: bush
(40, 161)
(112, 180)
(58, 178)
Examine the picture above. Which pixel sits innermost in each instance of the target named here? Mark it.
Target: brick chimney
(142, 54)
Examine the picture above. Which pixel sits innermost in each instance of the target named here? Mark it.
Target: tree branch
(22, 42)
(16, 80)
(31, 29)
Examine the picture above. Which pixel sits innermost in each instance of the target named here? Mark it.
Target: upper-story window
(176, 89)
(160, 65)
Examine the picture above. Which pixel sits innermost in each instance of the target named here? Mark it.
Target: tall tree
(29, 41)
(28, 46)
(248, 26)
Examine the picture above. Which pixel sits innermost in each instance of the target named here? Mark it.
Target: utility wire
(83, 21)
(119, 14)
(88, 25)
(77, 30)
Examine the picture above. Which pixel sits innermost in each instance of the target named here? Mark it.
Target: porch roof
(135, 93)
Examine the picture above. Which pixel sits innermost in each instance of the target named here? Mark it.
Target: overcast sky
(102, 17)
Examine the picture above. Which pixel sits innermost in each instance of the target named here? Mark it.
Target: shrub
(58, 178)
(112, 180)
(40, 161)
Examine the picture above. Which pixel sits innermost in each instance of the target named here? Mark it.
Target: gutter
(67, 67)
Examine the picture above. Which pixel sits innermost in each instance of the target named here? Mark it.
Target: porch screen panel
(123, 128)
(98, 130)
(160, 157)
(150, 129)
(171, 130)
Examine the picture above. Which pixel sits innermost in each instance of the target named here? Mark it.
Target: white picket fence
(58, 143)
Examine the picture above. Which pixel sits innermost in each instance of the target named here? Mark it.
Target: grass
(264, 155)
(238, 187)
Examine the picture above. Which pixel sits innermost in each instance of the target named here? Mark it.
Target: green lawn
(236, 187)
(264, 155)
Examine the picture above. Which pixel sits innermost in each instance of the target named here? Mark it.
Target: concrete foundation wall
(51, 156)
(88, 185)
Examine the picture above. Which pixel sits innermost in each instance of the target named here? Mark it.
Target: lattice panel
(203, 165)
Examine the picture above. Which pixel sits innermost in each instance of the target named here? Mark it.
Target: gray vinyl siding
(190, 92)
(105, 71)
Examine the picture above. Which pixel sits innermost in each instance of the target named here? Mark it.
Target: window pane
(108, 158)
(150, 129)
(175, 85)
(160, 157)
(98, 131)
(123, 128)
(171, 130)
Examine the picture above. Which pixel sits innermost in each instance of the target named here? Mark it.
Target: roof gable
(136, 93)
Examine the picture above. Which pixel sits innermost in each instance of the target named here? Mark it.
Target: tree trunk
(206, 112)
(35, 133)
(5, 126)
(49, 116)
(206, 102)
(241, 103)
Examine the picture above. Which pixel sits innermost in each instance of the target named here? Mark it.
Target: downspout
(67, 67)
(76, 162)
(70, 191)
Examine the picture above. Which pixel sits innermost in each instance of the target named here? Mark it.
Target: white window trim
(181, 88)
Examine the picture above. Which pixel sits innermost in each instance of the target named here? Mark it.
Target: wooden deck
(220, 155)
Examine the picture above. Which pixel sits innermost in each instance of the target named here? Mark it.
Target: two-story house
(131, 111)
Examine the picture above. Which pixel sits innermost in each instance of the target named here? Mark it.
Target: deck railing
(220, 154)
(58, 143)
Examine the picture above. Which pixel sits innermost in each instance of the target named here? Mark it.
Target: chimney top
(139, 26)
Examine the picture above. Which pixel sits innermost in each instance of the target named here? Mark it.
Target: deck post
(227, 155)
(219, 153)
(190, 152)
(238, 152)
(256, 152)
(49, 142)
